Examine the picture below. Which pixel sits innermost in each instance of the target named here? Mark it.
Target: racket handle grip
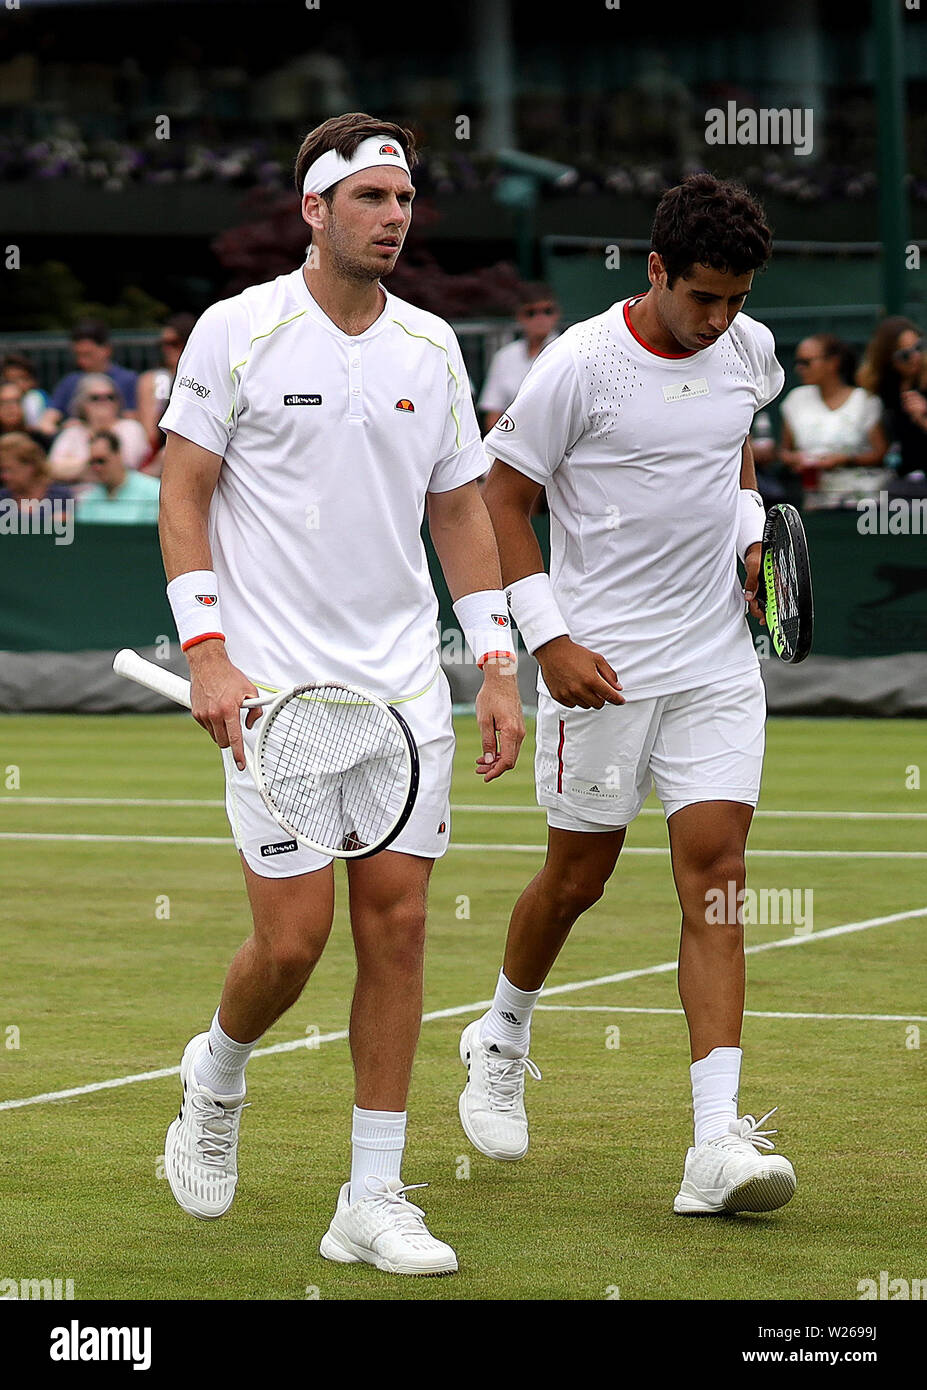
(135, 668)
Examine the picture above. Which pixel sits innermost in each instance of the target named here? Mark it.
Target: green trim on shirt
(244, 360)
(442, 348)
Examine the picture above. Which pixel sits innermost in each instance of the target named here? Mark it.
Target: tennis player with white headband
(313, 420)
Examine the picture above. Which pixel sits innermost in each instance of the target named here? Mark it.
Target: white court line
(748, 1013)
(104, 801)
(304, 1044)
(456, 807)
(663, 850)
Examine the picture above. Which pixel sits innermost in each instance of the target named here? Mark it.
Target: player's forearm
(465, 545)
(182, 526)
(188, 481)
(510, 514)
(748, 467)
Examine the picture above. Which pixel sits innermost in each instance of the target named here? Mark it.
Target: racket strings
(334, 766)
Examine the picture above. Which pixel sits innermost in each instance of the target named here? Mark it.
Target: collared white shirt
(330, 444)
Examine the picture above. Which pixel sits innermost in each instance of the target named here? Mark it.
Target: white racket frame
(133, 667)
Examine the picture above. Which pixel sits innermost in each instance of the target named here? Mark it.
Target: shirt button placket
(355, 386)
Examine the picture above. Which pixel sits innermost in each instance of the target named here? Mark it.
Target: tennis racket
(336, 766)
(785, 583)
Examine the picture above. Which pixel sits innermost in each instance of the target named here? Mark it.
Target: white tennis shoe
(201, 1148)
(492, 1104)
(729, 1174)
(384, 1229)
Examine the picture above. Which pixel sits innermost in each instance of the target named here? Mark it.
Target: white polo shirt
(330, 445)
(507, 370)
(640, 454)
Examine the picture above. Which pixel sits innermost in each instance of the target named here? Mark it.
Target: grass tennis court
(114, 951)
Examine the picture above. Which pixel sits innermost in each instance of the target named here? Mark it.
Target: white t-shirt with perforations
(640, 454)
(330, 444)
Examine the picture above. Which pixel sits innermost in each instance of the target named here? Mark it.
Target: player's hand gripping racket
(785, 583)
(336, 766)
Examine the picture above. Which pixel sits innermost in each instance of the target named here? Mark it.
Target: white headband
(330, 167)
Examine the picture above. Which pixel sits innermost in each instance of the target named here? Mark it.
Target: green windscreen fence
(105, 590)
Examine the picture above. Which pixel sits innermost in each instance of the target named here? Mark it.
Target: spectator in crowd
(154, 387)
(894, 368)
(765, 451)
(97, 406)
(92, 353)
(121, 495)
(24, 474)
(19, 370)
(832, 433)
(13, 415)
(537, 315)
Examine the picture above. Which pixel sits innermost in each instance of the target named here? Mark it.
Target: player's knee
(714, 897)
(292, 959)
(393, 937)
(574, 893)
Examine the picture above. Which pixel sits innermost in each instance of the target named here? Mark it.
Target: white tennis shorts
(270, 852)
(594, 768)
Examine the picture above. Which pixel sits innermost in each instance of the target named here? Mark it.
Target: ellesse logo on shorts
(281, 847)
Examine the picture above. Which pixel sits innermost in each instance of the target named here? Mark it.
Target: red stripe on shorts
(560, 760)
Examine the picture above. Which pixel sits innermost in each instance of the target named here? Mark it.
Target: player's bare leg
(707, 843)
(388, 903)
(577, 867)
(724, 1170)
(292, 919)
(494, 1048)
(374, 1222)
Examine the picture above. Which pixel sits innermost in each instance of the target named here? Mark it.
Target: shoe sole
(345, 1252)
(179, 1194)
(478, 1144)
(766, 1192)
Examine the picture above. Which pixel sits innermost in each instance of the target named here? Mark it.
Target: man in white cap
(313, 420)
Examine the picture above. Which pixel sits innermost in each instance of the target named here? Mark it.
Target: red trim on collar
(634, 333)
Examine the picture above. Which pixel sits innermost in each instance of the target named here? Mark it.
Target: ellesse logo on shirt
(301, 398)
(505, 423)
(405, 404)
(207, 600)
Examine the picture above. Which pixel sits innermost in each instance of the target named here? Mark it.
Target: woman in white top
(97, 406)
(832, 431)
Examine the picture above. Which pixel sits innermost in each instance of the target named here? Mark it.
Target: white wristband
(484, 620)
(535, 610)
(194, 600)
(751, 520)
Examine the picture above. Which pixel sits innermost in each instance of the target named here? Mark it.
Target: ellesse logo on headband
(389, 149)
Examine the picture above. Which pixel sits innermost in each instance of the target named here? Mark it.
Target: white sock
(378, 1138)
(221, 1065)
(715, 1082)
(508, 1023)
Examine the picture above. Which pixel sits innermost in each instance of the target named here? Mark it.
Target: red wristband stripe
(203, 637)
(487, 656)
